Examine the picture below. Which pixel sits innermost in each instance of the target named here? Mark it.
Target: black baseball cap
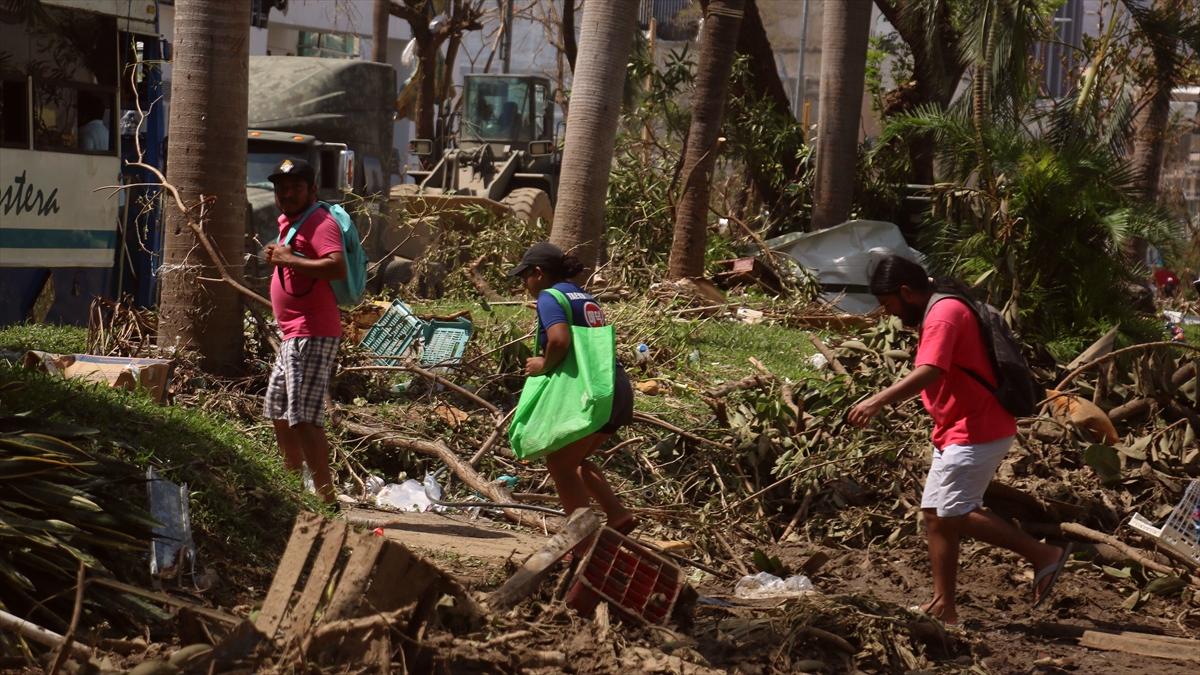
(294, 167)
(542, 254)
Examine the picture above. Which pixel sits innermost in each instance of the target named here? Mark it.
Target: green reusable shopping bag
(572, 401)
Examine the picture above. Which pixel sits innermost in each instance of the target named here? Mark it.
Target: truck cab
(334, 113)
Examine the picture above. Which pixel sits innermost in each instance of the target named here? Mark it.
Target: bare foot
(942, 611)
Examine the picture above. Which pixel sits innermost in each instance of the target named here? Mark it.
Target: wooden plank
(404, 576)
(582, 524)
(356, 576)
(1143, 644)
(333, 535)
(304, 533)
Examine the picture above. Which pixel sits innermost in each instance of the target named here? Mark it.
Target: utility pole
(506, 27)
(798, 102)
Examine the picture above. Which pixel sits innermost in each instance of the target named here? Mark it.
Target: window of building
(329, 45)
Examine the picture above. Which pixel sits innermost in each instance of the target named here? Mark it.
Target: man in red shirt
(972, 432)
(306, 311)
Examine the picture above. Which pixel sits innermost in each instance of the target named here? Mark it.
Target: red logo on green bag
(593, 314)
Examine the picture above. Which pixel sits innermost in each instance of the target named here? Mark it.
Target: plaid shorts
(299, 380)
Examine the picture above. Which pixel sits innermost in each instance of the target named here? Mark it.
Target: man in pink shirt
(972, 432)
(305, 309)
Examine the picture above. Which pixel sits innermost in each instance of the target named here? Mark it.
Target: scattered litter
(411, 495)
(749, 316)
(818, 361)
(1181, 532)
(172, 547)
(116, 371)
(443, 342)
(748, 272)
(649, 387)
(372, 485)
(1181, 319)
(642, 353)
(841, 255)
(767, 585)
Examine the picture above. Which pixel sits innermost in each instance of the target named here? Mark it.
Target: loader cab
(506, 110)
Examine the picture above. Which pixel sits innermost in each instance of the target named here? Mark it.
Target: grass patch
(243, 501)
(23, 337)
(726, 347)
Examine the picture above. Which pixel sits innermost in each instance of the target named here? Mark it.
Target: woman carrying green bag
(572, 331)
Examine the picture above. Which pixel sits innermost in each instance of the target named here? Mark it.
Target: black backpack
(1015, 390)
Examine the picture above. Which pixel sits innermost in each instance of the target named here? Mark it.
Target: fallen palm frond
(65, 504)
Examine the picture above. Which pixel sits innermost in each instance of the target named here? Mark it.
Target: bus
(72, 73)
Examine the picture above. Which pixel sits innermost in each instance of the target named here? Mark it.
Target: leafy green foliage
(1038, 203)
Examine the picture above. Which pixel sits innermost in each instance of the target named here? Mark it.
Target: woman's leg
(564, 467)
(598, 487)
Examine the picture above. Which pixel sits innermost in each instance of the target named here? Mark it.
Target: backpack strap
(295, 224)
(287, 240)
(984, 335)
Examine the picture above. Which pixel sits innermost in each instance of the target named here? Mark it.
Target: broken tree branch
(217, 262)
(69, 637)
(35, 633)
(1134, 554)
(825, 351)
(465, 472)
(646, 418)
(1148, 346)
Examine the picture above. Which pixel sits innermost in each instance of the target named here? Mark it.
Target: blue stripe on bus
(32, 238)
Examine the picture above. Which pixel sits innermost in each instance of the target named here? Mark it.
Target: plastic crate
(445, 342)
(639, 584)
(392, 334)
(1181, 532)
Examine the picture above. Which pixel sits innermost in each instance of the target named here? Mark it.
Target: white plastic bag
(407, 496)
(767, 585)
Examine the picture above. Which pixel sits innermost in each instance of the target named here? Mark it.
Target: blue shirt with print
(585, 311)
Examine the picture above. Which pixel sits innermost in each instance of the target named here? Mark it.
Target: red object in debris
(378, 532)
(638, 583)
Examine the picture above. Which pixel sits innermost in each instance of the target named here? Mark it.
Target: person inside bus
(93, 132)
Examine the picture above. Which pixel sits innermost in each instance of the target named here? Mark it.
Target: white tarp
(842, 256)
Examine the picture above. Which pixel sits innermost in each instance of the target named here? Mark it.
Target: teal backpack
(348, 291)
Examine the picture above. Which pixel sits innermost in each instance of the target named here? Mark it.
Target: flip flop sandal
(1053, 571)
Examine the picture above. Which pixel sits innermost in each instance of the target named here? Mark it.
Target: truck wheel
(530, 204)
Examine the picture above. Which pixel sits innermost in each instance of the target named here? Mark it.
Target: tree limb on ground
(468, 475)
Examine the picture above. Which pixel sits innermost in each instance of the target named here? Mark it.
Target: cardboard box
(118, 371)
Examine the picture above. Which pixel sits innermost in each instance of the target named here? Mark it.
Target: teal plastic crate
(392, 334)
(445, 342)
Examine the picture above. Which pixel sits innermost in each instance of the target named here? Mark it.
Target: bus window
(14, 113)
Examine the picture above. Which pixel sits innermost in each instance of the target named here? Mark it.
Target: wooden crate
(339, 595)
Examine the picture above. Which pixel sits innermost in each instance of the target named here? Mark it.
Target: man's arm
(908, 386)
(330, 267)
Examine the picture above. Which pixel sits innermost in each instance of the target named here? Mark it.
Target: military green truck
(501, 154)
(338, 115)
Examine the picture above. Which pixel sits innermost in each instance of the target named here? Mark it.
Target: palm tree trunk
(844, 35)
(605, 41)
(717, 46)
(207, 157)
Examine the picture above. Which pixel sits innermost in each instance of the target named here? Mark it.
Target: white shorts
(959, 475)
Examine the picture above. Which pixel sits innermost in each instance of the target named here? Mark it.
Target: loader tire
(530, 204)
